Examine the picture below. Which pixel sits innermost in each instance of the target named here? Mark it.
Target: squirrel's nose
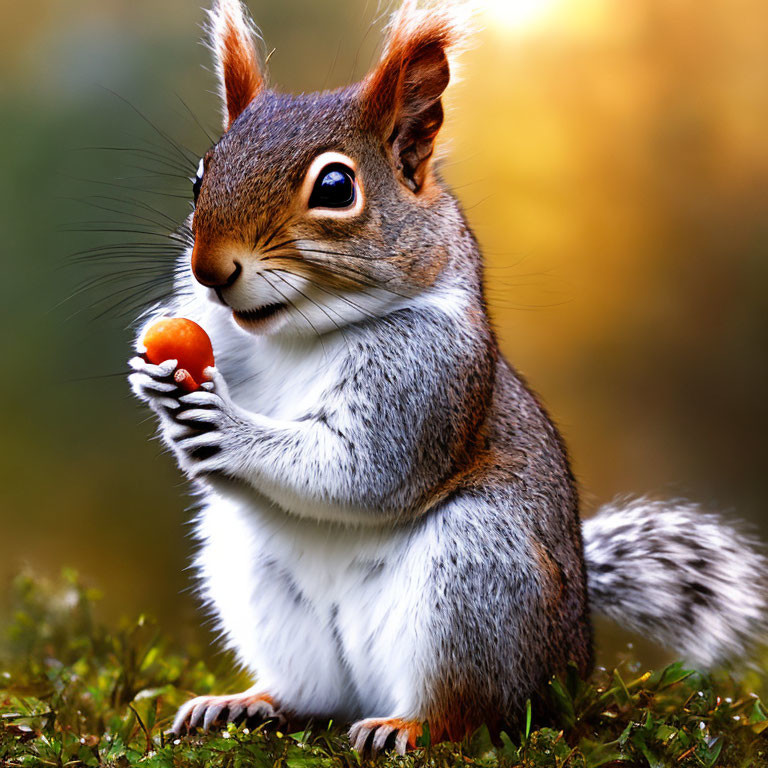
(214, 267)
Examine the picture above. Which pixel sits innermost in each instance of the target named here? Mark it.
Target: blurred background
(612, 158)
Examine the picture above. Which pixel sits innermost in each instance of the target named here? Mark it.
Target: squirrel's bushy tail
(678, 575)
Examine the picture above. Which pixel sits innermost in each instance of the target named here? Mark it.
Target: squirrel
(389, 530)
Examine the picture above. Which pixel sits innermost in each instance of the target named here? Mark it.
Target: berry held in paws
(176, 338)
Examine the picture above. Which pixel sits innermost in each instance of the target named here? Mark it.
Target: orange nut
(176, 338)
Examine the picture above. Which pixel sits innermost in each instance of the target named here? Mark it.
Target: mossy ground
(74, 692)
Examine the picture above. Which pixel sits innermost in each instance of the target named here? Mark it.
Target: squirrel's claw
(206, 712)
(378, 734)
(153, 383)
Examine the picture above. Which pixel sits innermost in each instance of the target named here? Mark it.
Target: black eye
(197, 181)
(334, 188)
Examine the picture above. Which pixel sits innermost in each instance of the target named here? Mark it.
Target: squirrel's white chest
(287, 382)
(275, 378)
(311, 609)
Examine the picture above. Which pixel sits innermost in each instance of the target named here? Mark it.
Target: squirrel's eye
(197, 181)
(334, 188)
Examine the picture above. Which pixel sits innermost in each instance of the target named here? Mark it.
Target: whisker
(333, 65)
(344, 254)
(137, 247)
(102, 280)
(321, 287)
(120, 257)
(176, 146)
(348, 272)
(319, 306)
(275, 231)
(156, 156)
(162, 294)
(107, 225)
(276, 247)
(138, 265)
(137, 288)
(197, 122)
(354, 277)
(138, 307)
(149, 233)
(107, 266)
(368, 31)
(322, 250)
(309, 322)
(136, 202)
(152, 172)
(123, 186)
(136, 216)
(143, 301)
(97, 376)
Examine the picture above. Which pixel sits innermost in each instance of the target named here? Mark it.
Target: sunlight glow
(515, 14)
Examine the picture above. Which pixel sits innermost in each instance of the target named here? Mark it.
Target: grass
(74, 692)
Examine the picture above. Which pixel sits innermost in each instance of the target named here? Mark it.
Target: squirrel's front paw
(210, 431)
(154, 384)
(201, 427)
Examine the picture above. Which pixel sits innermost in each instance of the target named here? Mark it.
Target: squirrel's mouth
(253, 318)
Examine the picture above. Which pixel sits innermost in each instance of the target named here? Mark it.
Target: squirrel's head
(318, 210)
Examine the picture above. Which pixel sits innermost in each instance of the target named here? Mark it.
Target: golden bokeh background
(612, 158)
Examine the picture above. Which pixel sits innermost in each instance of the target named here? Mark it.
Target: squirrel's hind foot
(209, 711)
(375, 735)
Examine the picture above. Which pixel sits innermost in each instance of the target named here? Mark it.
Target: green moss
(76, 693)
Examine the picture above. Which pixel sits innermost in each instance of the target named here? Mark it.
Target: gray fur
(675, 573)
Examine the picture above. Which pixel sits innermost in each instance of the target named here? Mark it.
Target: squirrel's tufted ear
(402, 95)
(231, 35)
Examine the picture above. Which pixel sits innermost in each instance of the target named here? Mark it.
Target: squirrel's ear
(402, 95)
(231, 36)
